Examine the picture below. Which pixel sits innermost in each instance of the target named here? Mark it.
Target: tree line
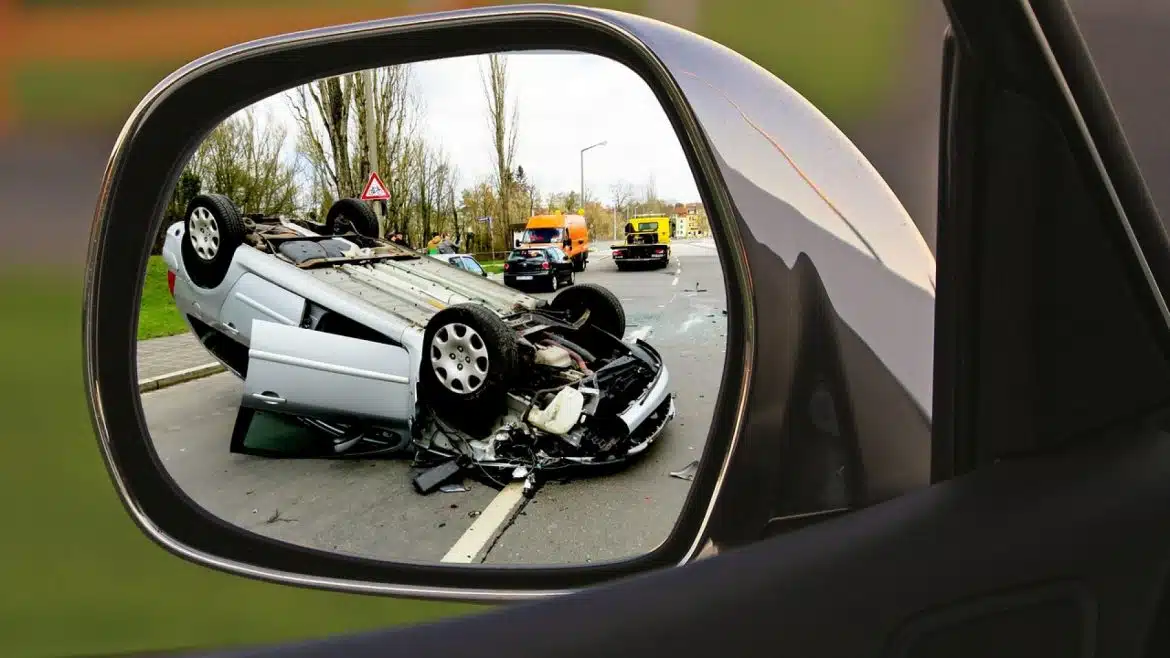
(245, 159)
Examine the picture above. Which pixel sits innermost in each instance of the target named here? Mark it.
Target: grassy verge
(492, 266)
(158, 316)
(72, 558)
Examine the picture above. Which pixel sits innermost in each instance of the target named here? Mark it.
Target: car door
(299, 371)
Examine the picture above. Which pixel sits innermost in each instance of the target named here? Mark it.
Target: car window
(526, 254)
(471, 265)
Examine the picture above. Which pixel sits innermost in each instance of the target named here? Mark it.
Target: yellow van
(569, 232)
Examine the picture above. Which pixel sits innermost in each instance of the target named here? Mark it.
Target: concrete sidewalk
(172, 360)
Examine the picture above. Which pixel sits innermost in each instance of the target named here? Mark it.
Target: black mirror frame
(150, 154)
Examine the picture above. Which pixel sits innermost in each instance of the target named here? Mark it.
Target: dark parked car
(545, 267)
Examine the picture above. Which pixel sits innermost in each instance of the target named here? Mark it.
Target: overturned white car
(383, 349)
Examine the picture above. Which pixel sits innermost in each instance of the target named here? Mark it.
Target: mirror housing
(775, 242)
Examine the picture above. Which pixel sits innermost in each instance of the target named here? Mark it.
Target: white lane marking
(475, 543)
(675, 282)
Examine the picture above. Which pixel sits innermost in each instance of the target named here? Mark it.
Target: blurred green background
(79, 577)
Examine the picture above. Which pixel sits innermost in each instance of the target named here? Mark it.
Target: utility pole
(583, 172)
(372, 143)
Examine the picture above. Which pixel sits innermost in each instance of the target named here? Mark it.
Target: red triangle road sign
(375, 189)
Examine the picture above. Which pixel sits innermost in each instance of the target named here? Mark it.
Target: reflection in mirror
(501, 343)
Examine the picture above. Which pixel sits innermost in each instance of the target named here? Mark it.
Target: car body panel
(386, 297)
(312, 373)
(252, 298)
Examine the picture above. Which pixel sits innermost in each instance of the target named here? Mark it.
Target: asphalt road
(369, 508)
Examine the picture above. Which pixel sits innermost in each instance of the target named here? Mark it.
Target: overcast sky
(566, 101)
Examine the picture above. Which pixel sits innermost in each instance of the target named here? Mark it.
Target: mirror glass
(466, 311)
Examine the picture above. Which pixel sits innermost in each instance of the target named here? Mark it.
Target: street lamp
(583, 170)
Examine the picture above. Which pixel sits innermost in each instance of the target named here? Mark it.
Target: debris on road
(454, 487)
(686, 472)
(435, 477)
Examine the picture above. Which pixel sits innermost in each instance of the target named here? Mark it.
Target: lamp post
(602, 143)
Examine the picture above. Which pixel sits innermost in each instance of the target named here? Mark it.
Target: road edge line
(473, 546)
(179, 377)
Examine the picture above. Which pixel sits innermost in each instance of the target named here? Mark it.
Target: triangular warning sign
(375, 189)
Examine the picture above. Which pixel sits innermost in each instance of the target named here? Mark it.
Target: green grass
(492, 266)
(79, 578)
(158, 316)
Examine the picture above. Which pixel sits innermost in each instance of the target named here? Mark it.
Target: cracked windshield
(460, 311)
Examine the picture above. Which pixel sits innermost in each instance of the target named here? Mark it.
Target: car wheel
(212, 230)
(469, 359)
(605, 310)
(621, 266)
(572, 279)
(353, 214)
(553, 282)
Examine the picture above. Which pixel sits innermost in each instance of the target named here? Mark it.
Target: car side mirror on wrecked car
(475, 401)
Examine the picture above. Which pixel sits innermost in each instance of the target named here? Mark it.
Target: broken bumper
(650, 400)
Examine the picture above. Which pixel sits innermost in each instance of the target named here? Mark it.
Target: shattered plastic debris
(483, 450)
(561, 414)
(686, 472)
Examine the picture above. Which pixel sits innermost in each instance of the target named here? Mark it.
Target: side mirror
(394, 357)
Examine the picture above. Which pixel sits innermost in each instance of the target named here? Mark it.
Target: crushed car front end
(588, 400)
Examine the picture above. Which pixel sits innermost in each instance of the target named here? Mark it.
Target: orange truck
(569, 232)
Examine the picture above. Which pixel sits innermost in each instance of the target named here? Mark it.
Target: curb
(179, 377)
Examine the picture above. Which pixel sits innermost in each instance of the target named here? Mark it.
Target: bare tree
(243, 160)
(327, 149)
(621, 193)
(503, 128)
(330, 115)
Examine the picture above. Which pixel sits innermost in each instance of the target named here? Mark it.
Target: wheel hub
(459, 358)
(204, 233)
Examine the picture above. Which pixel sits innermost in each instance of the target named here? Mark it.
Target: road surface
(369, 508)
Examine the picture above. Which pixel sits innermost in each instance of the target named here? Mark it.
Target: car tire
(605, 310)
(579, 264)
(572, 279)
(489, 357)
(553, 282)
(621, 266)
(356, 213)
(212, 230)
